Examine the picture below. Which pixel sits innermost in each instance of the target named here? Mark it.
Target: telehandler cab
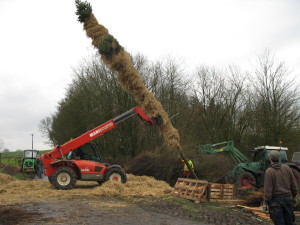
(79, 159)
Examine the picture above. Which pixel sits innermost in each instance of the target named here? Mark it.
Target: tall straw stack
(119, 61)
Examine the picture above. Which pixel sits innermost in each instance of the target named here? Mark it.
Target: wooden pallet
(221, 191)
(195, 190)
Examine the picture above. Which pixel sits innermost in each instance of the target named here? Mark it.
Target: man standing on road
(40, 167)
(279, 187)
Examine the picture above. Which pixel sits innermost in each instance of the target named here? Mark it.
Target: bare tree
(277, 100)
(221, 104)
(45, 129)
(6, 150)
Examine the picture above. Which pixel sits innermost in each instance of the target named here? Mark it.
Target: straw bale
(6, 179)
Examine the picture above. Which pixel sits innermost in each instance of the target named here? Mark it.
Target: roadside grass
(217, 207)
(23, 176)
(185, 204)
(13, 161)
(189, 205)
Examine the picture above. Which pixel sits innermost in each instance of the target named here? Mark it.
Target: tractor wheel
(296, 176)
(50, 179)
(245, 180)
(64, 178)
(116, 174)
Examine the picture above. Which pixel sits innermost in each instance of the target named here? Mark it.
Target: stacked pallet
(221, 191)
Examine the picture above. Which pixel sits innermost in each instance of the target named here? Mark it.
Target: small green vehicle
(248, 173)
(28, 163)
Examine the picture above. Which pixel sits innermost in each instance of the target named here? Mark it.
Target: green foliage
(11, 161)
(84, 10)
(109, 46)
(12, 154)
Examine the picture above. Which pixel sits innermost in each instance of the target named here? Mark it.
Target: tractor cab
(28, 163)
(261, 155)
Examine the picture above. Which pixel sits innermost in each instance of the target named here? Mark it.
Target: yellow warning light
(280, 142)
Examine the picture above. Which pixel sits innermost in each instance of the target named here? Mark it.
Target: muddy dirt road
(115, 211)
(90, 211)
(142, 200)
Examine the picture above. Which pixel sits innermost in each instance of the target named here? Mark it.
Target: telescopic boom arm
(59, 151)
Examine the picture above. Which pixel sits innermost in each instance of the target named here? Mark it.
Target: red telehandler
(79, 159)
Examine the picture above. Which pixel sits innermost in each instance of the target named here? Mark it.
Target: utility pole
(32, 140)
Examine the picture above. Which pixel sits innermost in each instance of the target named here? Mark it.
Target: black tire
(116, 174)
(64, 178)
(245, 180)
(297, 177)
(50, 179)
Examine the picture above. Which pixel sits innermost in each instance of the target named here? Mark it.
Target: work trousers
(281, 211)
(40, 171)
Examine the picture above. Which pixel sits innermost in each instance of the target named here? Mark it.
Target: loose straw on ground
(119, 61)
(14, 191)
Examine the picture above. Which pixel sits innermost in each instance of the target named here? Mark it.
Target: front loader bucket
(225, 179)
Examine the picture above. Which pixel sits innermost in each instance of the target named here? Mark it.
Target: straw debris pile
(254, 197)
(6, 179)
(135, 186)
(20, 192)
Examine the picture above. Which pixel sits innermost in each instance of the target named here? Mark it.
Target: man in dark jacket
(279, 191)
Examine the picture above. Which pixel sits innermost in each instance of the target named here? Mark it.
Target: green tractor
(245, 173)
(28, 163)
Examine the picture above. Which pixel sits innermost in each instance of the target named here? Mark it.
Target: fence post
(0, 157)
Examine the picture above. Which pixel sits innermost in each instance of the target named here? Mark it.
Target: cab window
(85, 152)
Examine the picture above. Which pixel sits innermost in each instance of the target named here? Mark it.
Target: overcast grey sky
(41, 41)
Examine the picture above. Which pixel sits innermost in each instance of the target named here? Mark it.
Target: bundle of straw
(119, 61)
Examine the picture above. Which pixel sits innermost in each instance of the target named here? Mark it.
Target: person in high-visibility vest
(186, 171)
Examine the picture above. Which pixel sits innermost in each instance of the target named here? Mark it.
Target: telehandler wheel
(50, 179)
(64, 178)
(245, 180)
(116, 174)
(297, 177)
